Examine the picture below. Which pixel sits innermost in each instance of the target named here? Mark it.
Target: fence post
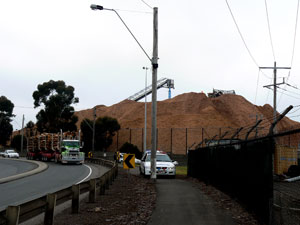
(186, 140)
(171, 142)
(92, 190)
(49, 211)
(143, 140)
(75, 198)
(12, 215)
(202, 136)
(117, 140)
(157, 138)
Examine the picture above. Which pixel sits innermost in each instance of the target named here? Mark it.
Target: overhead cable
(234, 20)
(147, 4)
(269, 28)
(133, 11)
(295, 34)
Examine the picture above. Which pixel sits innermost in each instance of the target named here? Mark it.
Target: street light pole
(94, 121)
(154, 92)
(154, 62)
(145, 128)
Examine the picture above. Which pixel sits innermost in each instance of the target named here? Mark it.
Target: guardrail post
(107, 180)
(12, 215)
(75, 198)
(110, 174)
(102, 185)
(49, 211)
(116, 170)
(92, 190)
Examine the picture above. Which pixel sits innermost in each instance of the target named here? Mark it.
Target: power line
(294, 43)
(147, 4)
(17, 123)
(234, 20)
(24, 107)
(256, 86)
(295, 34)
(290, 91)
(294, 111)
(269, 28)
(288, 95)
(133, 11)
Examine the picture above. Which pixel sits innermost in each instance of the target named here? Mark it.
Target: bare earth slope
(189, 110)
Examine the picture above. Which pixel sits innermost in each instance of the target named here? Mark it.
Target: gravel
(131, 200)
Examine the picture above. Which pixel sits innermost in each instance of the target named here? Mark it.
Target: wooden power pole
(275, 84)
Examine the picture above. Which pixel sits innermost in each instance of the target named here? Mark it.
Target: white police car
(164, 165)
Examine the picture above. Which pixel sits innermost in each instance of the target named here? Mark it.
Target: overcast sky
(199, 47)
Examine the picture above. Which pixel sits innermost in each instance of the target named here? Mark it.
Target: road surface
(56, 177)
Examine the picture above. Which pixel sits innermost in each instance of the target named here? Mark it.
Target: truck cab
(70, 152)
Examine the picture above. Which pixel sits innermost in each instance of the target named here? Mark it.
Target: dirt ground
(131, 200)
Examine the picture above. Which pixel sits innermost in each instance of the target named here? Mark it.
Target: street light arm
(99, 7)
(131, 34)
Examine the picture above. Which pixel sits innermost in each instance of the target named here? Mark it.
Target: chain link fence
(286, 207)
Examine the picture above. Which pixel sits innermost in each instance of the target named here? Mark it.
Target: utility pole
(154, 92)
(93, 144)
(22, 133)
(274, 68)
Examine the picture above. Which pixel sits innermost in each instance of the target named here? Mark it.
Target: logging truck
(60, 147)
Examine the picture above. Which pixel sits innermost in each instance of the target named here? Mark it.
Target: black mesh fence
(263, 174)
(287, 180)
(243, 170)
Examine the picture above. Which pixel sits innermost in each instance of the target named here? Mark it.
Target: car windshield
(159, 158)
(10, 151)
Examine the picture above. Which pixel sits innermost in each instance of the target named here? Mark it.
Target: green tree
(86, 127)
(131, 149)
(105, 128)
(29, 128)
(57, 113)
(6, 109)
(16, 142)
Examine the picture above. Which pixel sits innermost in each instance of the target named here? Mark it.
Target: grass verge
(181, 170)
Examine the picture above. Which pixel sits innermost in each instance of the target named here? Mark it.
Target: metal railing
(13, 215)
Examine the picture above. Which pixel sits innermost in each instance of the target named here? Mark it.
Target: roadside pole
(94, 120)
(154, 93)
(22, 134)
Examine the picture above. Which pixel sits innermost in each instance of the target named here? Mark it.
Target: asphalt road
(12, 167)
(56, 177)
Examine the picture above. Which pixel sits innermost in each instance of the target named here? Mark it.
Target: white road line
(87, 175)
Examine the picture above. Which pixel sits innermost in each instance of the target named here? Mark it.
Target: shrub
(131, 149)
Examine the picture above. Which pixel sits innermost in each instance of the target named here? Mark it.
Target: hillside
(189, 110)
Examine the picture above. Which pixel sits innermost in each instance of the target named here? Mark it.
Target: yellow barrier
(284, 157)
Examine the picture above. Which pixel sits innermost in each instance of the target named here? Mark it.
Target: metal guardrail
(14, 215)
